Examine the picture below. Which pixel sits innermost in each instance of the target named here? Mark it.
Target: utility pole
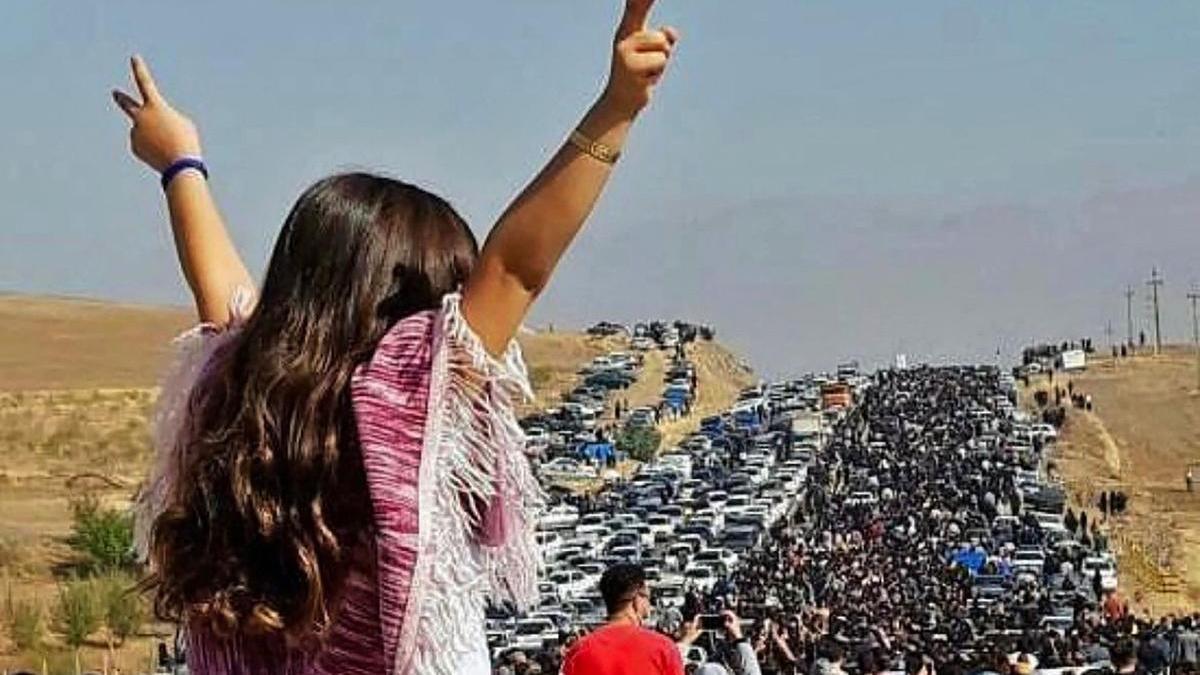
(1112, 348)
(1129, 315)
(1108, 334)
(1154, 283)
(1194, 296)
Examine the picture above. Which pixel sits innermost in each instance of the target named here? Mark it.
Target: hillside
(50, 343)
(77, 385)
(1143, 432)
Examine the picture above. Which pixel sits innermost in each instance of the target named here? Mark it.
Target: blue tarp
(601, 452)
(675, 404)
(972, 560)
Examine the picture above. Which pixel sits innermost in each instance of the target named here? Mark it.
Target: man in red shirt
(622, 646)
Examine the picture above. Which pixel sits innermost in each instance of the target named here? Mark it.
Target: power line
(1194, 296)
(1154, 283)
(1129, 315)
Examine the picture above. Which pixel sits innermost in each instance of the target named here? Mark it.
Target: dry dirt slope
(77, 383)
(1142, 434)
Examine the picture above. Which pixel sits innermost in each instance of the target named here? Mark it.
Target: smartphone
(711, 622)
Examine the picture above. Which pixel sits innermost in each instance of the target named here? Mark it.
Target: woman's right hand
(640, 58)
(160, 133)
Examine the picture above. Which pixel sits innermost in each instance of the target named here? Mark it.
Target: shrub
(123, 610)
(15, 558)
(78, 612)
(25, 624)
(640, 443)
(103, 536)
(540, 376)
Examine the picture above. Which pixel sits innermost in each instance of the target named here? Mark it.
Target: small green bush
(25, 624)
(123, 609)
(640, 443)
(104, 537)
(540, 376)
(78, 613)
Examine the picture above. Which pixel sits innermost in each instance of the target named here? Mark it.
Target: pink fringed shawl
(453, 497)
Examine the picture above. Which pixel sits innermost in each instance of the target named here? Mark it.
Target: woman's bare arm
(161, 135)
(535, 230)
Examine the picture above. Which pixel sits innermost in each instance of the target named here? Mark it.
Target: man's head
(625, 592)
(1124, 656)
(830, 650)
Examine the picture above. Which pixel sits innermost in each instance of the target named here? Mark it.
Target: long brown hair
(272, 500)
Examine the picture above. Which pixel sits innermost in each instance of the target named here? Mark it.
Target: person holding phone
(733, 655)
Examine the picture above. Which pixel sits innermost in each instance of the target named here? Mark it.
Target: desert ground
(1140, 437)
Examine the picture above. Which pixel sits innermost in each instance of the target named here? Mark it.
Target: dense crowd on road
(916, 531)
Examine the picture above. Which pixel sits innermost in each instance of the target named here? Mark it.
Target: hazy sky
(820, 181)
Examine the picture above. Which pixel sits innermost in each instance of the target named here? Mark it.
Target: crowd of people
(876, 582)
(923, 542)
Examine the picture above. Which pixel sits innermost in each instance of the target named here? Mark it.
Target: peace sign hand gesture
(640, 58)
(160, 134)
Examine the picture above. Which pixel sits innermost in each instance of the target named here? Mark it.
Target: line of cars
(568, 440)
(686, 517)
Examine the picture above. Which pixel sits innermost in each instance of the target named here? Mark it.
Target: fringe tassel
(492, 447)
(193, 348)
(485, 490)
(169, 426)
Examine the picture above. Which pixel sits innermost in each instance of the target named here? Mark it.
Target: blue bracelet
(182, 164)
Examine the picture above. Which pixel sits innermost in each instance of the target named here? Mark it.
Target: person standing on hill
(340, 479)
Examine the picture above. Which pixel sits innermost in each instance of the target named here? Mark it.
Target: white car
(642, 344)
(536, 438)
(1006, 522)
(569, 582)
(592, 519)
(770, 509)
(499, 642)
(534, 634)
(620, 359)
(1047, 432)
(720, 555)
(626, 553)
(701, 577)
(760, 457)
(660, 526)
(584, 414)
(565, 467)
(717, 498)
(678, 555)
(693, 541)
(737, 504)
(549, 543)
(758, 474)
(560, 517)
(1050, 521)
(1028, 560)
(594, 535)
(762, 513)
(862, 498)
(592, 571)
(570, 550)
(710, 516)
(679, 462)
(1108, 572)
